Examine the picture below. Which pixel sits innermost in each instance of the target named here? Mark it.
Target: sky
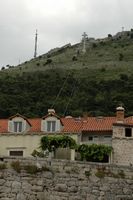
(58, 22)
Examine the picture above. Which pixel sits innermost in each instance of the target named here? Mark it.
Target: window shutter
(24, 125)
(43, 125)
(10, 126)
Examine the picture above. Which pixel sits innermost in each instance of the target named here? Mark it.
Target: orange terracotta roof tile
(128, 120)
(98, 124)
(71, 125)
(3, 125)
(35, 125)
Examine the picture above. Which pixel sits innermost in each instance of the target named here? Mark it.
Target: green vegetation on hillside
(31, 94)
(94, 82)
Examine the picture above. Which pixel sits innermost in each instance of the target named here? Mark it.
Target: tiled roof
(129, 120)
(71, 125)
(98, 124)
(3, 125)
(18, 115)
(35, 125)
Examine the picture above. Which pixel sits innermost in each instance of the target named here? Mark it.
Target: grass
(105, 55)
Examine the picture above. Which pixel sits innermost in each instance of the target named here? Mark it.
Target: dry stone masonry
(65, 180)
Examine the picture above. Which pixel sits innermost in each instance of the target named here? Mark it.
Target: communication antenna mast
(35, 52)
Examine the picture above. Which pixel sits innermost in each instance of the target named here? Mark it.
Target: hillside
(94, 82)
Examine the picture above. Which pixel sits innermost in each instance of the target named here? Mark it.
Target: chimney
(120, 114)
(51, 111)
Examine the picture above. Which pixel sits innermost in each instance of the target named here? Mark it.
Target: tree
(121, 56)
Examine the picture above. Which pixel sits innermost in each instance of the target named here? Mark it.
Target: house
(19, 136)
(97, 130)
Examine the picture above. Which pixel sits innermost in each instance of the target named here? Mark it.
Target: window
(15, 153)
(95, 137)
(107, 137)
(51, 126)
(90, 138)
(17, 127)
(128, 132)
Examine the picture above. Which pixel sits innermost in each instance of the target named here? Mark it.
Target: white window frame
(18, 126)
(51, 125)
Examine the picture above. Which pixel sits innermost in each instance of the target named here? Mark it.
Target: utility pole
(35, 52)
(84, 42)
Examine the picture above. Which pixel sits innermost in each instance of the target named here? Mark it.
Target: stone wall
(64, 180)
(122, 147)
(123, 151)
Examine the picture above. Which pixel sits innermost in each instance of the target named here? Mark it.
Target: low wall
(65, 180)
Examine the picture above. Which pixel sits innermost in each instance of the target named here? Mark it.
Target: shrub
(38, 154)
(38, 64)
(48, 56)
(100, 174)
(16, 166)
(88, 173)
(103, 69)
(109, 36)
(94, 45)
(49, 60)
(94, 152)
(131, 35)
(74, 58)
(31, 169)
(2, 166)
(124, 77)
(53, 142)
(121, 56)
(2, 68)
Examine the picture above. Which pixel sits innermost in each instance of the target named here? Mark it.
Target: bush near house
(53, 142)
(94, 152)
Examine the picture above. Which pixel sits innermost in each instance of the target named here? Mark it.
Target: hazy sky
(58, 22)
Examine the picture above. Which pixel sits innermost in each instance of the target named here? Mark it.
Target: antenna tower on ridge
(35, 52)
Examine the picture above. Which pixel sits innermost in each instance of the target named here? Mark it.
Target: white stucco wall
(19, 141)
(14, 142)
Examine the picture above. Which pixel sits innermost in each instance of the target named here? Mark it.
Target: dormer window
(51, 122)
(17, 126)
(51, 126)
